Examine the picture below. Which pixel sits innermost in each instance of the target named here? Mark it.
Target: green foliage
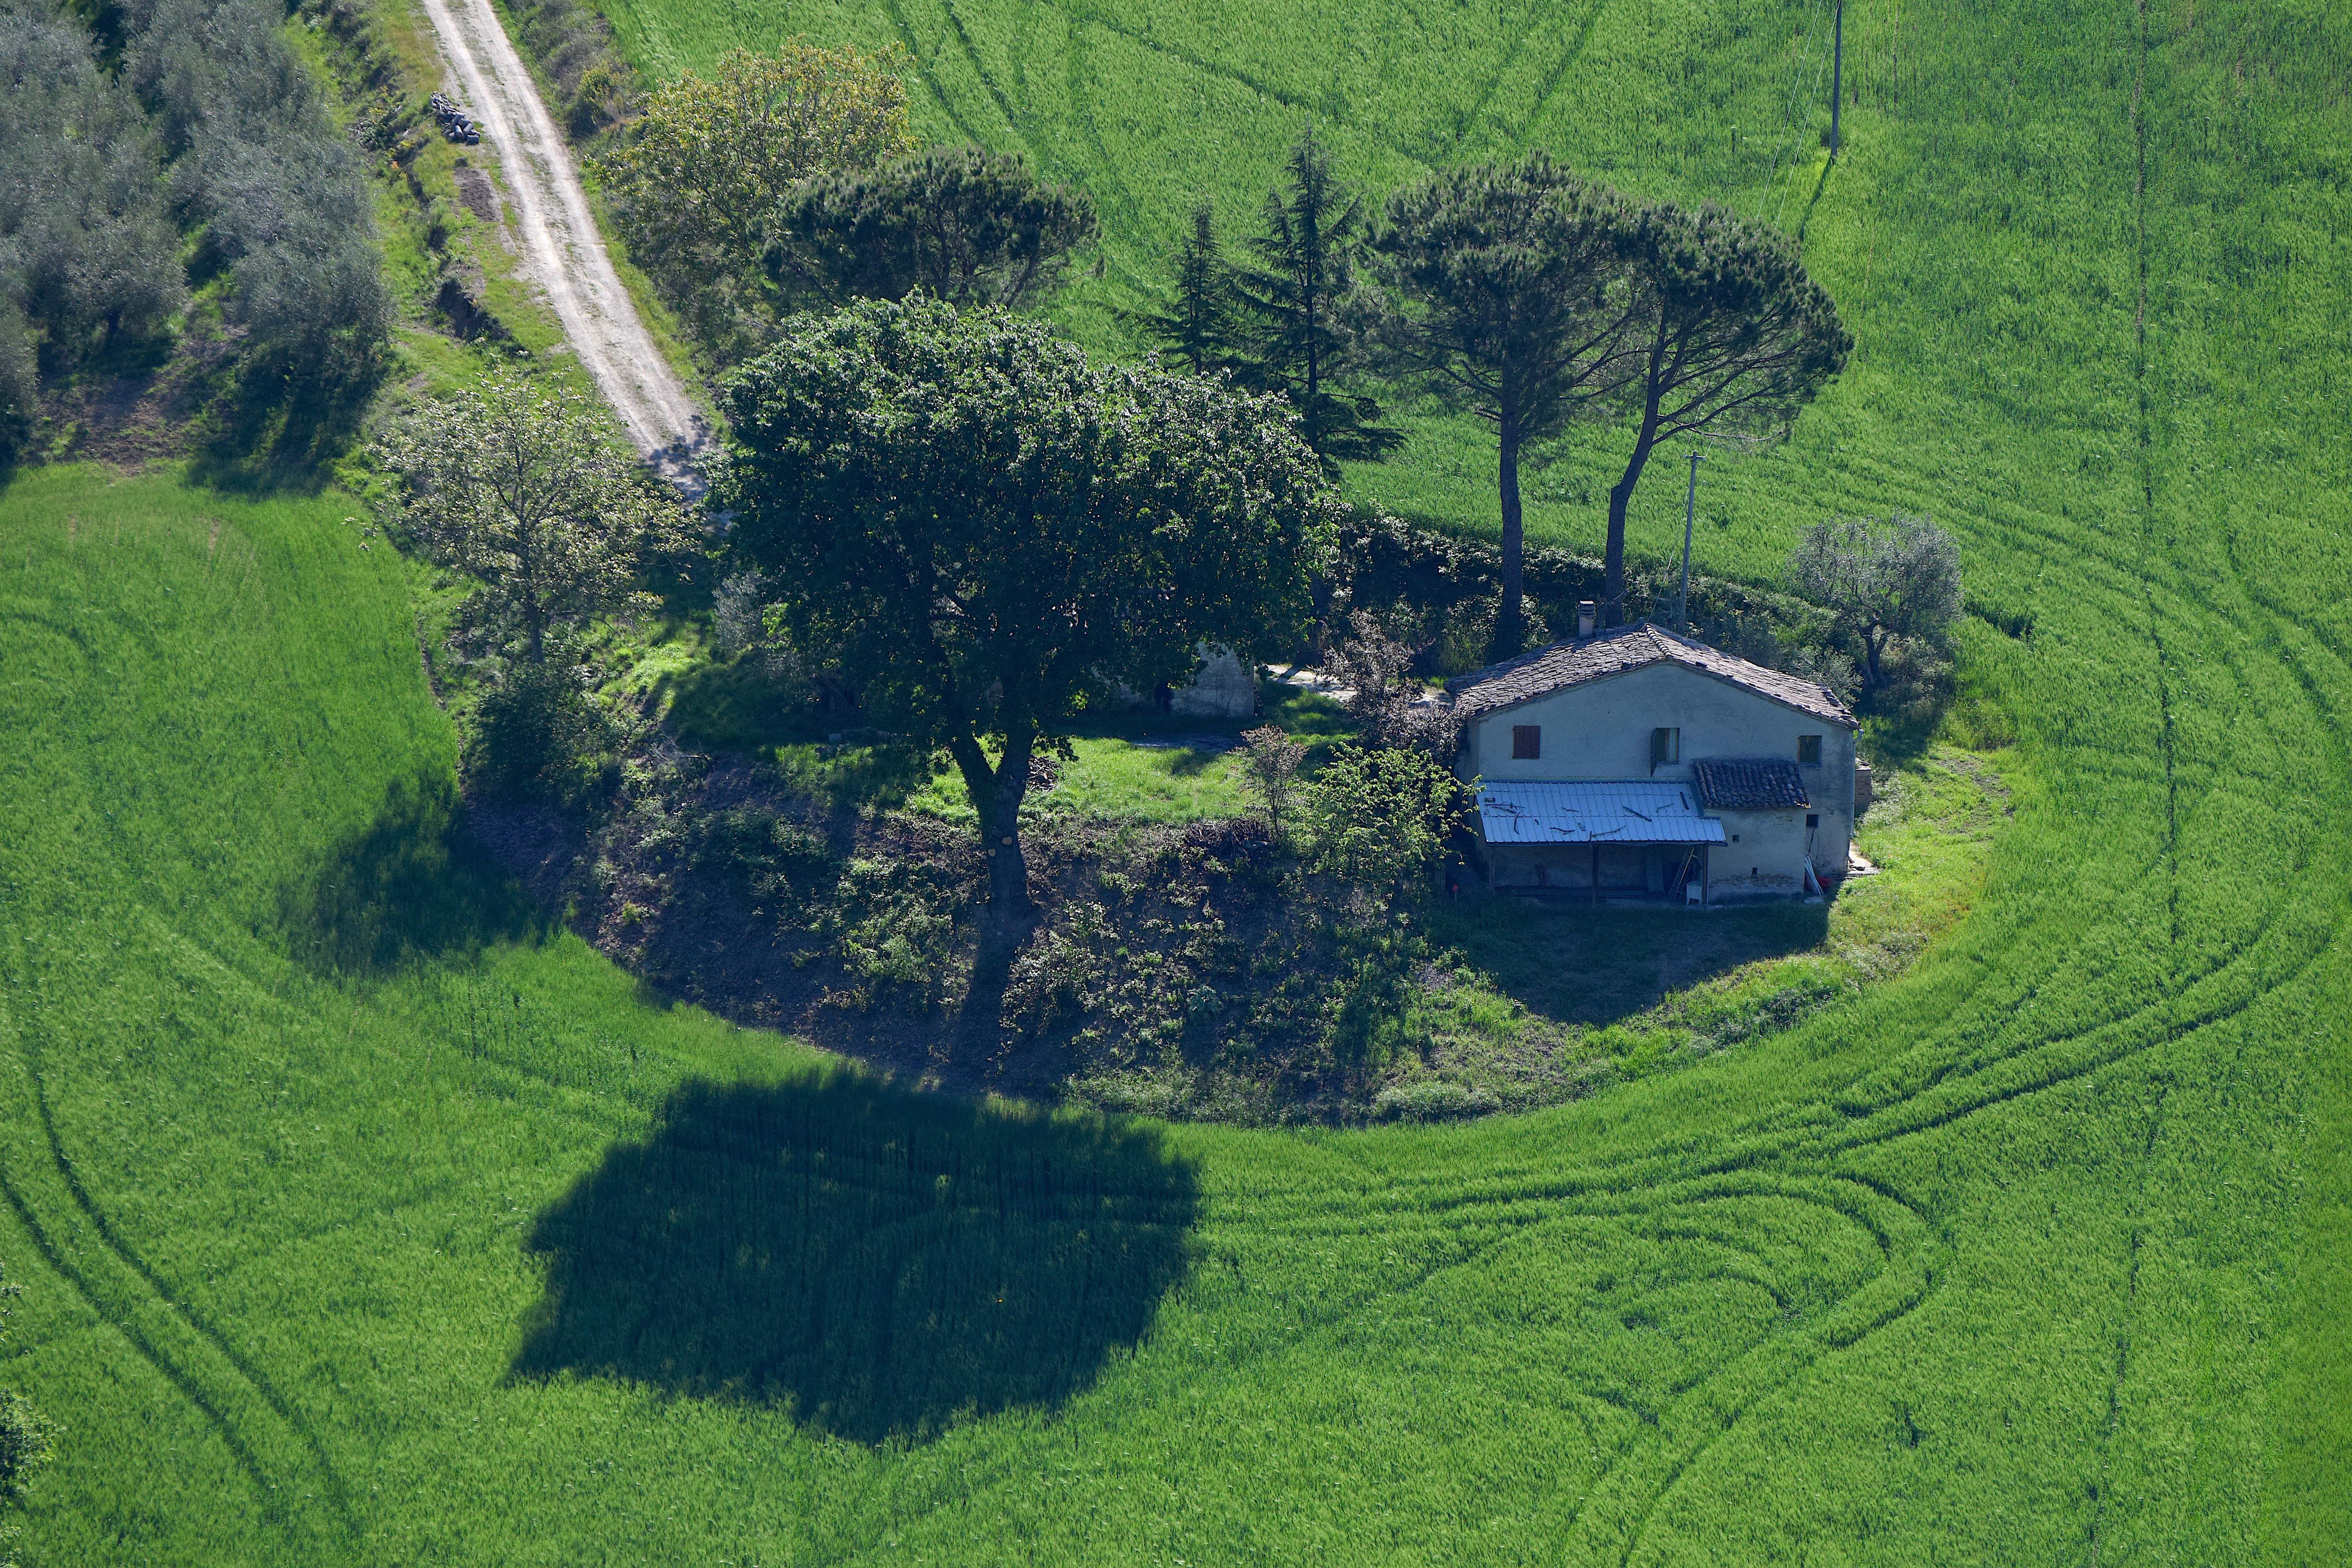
(772, 855)
(28, 1440)
(20, 382)
(89, 258)
(2031, 1251)
(1294, 335)
(1270, 761)
(522, 486)
(539, 734)
(1509, 295)
(1891, 584)
(1196, 327)
(1728, 336)
(279, 195)
(702, 176)
(1382, 818)
(961, 224)
(986, 533)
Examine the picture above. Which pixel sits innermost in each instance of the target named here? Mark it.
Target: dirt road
(559, 245)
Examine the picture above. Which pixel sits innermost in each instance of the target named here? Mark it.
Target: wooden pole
(1837, 83)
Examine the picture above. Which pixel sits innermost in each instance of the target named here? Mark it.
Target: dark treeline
(89, 255)
(210, 126)
(278, 195)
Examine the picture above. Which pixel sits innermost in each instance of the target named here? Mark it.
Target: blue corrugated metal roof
(1636, 810)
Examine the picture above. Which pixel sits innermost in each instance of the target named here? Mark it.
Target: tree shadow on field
(412, 885)
(882, 1265)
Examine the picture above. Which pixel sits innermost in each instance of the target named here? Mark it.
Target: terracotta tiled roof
(1758, 786)
(1565, 664)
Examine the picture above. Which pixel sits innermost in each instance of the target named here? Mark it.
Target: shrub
(1375, 668)
(1380, 818)
(1050, 977)
(88, 253)
(538, 734)
(767, 852)
(1233, 839)
(1270, 771)
(1432, 1099)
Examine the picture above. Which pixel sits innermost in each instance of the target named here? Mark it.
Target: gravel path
(559, 245)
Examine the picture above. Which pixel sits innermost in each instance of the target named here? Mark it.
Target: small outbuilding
(1636, 763)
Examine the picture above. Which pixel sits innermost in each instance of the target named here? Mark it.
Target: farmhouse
(1635, 762)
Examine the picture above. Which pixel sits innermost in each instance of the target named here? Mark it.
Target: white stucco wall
(1225, 687)
(1601, 730)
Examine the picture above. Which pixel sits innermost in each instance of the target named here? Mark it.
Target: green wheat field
(366, 1217)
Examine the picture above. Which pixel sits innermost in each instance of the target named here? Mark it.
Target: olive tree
(1884, 582)
(524, 488)
(991, 535)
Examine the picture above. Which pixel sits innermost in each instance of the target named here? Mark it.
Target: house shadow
(881, 1265)
(1581, 965)
(412, 885)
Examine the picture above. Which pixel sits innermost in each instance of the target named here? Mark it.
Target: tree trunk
(996, 796)
(1621, 495)
(1510, 617)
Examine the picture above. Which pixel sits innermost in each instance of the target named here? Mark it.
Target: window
(1809, 750)
(1526, 742)
(1666, 746)
(1812, 820)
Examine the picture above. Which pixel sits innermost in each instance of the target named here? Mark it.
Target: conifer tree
(1507, 295)
(1297, 339)
(1198, 327)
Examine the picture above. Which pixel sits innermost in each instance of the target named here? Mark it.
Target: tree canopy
(968, 227)
(1196, 326)
(704, 172)
(1729, 335)
(1504, 292)
(990, 534)
(1295, 339)
(523, 487)
(1898, 579)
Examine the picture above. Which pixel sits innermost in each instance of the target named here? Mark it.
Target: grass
(1550, 1000)
(2035, 1252)
(1118, 781)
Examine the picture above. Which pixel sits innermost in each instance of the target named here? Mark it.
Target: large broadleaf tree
(991, 536)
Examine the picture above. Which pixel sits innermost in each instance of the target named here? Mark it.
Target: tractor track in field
(558, 246)
(275, 1493)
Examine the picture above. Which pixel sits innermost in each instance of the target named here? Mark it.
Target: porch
(1604, 841)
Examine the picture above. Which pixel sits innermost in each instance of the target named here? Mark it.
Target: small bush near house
(1380, 818)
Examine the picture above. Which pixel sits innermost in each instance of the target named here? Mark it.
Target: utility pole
(1837, 73)
(1690, 511)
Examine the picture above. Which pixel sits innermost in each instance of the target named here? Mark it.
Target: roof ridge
(1571, 661)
